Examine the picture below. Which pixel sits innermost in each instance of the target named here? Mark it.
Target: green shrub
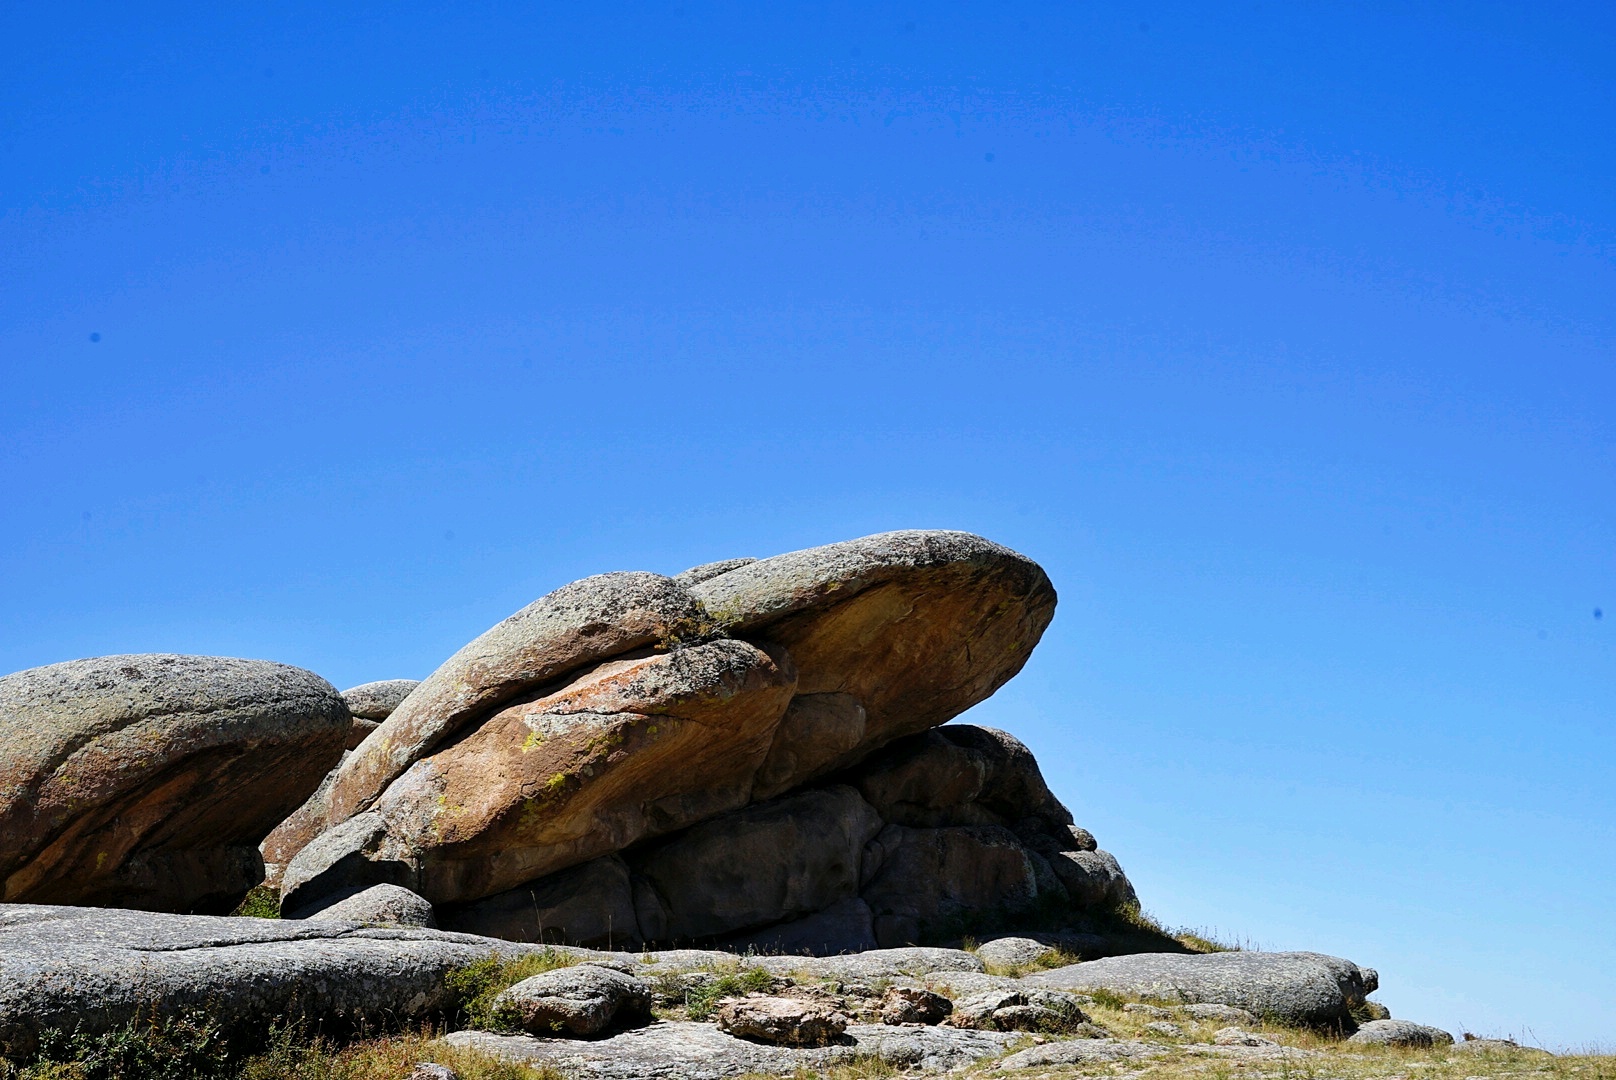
(261, 902)
(701, 1000)
(476, 985)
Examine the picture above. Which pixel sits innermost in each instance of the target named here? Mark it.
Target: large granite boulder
(629, 706)
(147, 781)
(583, 1000)
(1291, 987)
(629, 750)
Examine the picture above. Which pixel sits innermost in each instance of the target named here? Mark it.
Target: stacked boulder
(747, 754)
(741, 754)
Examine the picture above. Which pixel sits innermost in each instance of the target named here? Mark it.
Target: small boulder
(1155, 1012)
(431, 1070)
(377, 700)
(782, 1021)
(912, 1005)
(1013, 951)
(1165, 1028)
(386, 905)
(1400, 1033)
(1019, 1010)
(582, 1000)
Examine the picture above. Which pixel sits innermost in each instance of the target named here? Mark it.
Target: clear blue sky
(1282, 335)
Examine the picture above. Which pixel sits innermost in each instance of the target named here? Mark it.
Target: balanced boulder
(147, 781)
(373, 702)
(629, 706)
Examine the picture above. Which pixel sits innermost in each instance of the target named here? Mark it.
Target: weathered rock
(431, 1070)
(1139, 1008)
(1297, 988)
(1012, 952)
(816, 732)
(961, 774)
(916, 877)
(1028, 1009)
(1165, 1028)
(1092, 878)
(783, 1021)
(916, 626)
(1233, 1036)
(97, 969)
(147, 781)
(869, 966)
(588, 904)
(583, 1000)
(692, 1051)
(1229, 1014)
(630, 750)
(378, 905)
(1399, 1033)
(913, 1005)
(847, 926)
(378, 700)
(697, 574)
(562, 632)
(776, 860)
(1081, 1052)
(1474, 1045)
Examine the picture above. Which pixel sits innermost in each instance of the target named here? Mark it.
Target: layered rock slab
(681, 1050)
(148, 780)
(1293, 988)
(872, 639)
(95, 969)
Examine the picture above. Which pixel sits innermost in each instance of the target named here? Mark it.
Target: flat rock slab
(914, 961)
(96, 969)
(1294, 988)
(682, 1050)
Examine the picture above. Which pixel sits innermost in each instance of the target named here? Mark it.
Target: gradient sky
(1281, 335)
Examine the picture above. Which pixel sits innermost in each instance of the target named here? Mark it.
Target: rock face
(147, 781)
(822, 870)
(1295, 988)
(583, 1000)
(690, 749)
(373, 702)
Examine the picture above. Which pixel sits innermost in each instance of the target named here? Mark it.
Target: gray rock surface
(97, 969)
(917, 877)
(1227, 1014)
(697, 574)
(387, 905)
(147, 781)
(581, 1000)
(1012, 951)
(691, 1051)
(1092, 878)
(377, 700)
(1399, 1033)
(1021, 1009)
(1081, 1052)
(1298, 988)
(869, 966)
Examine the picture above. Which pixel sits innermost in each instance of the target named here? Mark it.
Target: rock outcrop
(825, 869)
(373, 702)
(630, 707)
(148, 781)
(1292, 987)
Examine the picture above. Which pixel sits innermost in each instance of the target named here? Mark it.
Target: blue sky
(1282, 335)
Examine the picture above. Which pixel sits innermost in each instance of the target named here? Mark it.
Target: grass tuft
(261, 902)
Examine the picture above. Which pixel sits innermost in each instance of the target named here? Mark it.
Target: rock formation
(629, 726)
(148, 781)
